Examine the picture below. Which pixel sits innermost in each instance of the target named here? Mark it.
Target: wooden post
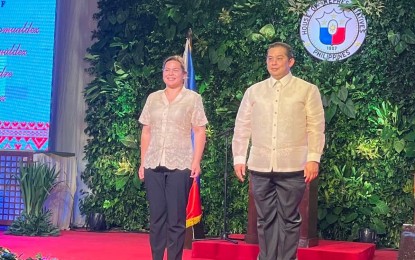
(407, 243)
(308, 210)
(193, 232)
(251, 236)
(188, 238)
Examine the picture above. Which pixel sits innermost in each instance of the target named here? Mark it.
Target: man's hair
(288, 48)
(177, 58)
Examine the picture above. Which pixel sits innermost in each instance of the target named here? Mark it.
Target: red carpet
(83, 245)
(326, 250)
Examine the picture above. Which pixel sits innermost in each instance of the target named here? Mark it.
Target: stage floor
(85, 245)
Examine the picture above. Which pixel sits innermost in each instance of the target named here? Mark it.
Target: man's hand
(311, 171)
(240, 171)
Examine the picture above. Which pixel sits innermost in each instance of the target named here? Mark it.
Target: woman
(169, 161)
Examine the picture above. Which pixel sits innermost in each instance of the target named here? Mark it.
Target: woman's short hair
(177, 58)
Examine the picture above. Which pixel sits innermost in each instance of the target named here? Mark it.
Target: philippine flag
(333, 27)
(194, 204)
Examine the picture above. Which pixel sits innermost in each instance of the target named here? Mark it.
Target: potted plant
(36, 181)
(96, 222)
(95, 218)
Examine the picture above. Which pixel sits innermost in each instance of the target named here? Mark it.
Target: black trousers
(167, 195)
(277, 198)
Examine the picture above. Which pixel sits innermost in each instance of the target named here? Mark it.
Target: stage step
(326, 250)
(339, 250)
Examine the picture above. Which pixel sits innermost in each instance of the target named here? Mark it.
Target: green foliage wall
(367, 171)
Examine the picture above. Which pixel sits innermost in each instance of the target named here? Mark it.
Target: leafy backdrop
(367, 170)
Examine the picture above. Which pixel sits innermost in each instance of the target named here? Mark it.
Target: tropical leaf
(257, 37)
(408, 36)
(268, 31)
(332, 218)
(350, 217)
(348, 108)
(343, 93)
(399, 145)
(394, 38)
(401, 47)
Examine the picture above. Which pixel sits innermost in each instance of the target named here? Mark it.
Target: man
(283, 118)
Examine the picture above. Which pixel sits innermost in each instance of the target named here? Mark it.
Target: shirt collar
(179, 96)
(284, 81)
(272, 81)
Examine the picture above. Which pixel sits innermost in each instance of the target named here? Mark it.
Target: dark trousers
(277, 198)
(167, 195)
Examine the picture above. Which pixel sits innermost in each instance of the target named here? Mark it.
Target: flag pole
(194, 227)
(189, 36)
(191, 84)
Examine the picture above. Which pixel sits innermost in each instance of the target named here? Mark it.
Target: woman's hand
(141, 173)
(195, 171)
